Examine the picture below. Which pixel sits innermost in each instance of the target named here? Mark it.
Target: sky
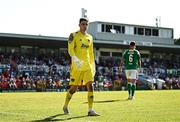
(60, 17)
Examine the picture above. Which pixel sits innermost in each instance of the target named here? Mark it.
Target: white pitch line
(7, 113)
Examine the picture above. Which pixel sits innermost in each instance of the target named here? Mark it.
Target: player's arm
(71, 45)
(92, 61)
(122, 62)
(121, 65)
(139, 62)
(71, 48)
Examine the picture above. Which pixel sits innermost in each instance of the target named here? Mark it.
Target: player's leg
(134, 77)
(129, 85)
(90, 97)
(74, 82)
(133, 88)
(88, 81)
(69, 94)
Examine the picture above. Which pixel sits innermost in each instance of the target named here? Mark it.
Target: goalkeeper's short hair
(83, 19)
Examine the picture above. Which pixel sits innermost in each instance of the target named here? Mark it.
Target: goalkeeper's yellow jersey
(82, 46)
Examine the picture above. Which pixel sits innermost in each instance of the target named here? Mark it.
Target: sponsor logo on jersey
(72, 80)
(84, 46)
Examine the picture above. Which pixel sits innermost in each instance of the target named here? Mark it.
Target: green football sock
(129, 88)
(133, 88)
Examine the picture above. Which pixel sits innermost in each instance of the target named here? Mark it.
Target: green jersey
(131, 59)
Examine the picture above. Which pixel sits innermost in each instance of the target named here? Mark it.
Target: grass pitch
(149, 106)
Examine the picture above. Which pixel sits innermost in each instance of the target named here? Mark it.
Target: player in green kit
(132, 62)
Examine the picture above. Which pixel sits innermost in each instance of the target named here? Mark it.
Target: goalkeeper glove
(77, 62)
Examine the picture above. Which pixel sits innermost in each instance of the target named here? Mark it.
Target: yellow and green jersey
(82, 46)
(131, 59)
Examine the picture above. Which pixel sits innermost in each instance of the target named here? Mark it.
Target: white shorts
(131, 74)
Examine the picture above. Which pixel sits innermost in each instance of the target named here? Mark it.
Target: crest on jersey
(88, 40)
(72, 80)
(71, 37)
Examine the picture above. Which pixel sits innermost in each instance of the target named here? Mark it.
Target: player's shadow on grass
(53, 118)
(107, 101)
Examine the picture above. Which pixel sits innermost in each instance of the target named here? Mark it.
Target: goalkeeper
(80, 48)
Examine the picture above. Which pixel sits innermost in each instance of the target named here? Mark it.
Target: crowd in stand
(42, 72)
(167, 70)
(30, 72)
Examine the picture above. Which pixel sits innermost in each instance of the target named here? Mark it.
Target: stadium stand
(27, 72)
(41, 63)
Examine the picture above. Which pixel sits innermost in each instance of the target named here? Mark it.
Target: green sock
(129, 88)
(133, 88)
